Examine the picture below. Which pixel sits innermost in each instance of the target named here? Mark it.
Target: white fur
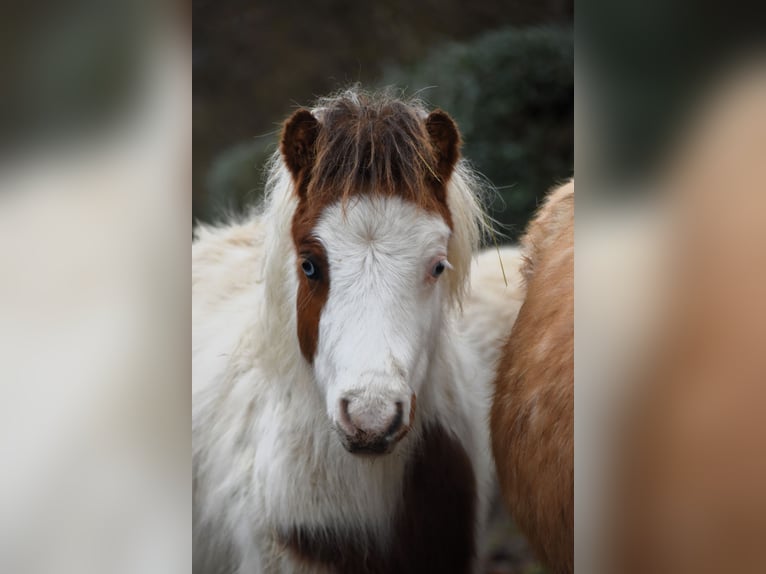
(265, 454)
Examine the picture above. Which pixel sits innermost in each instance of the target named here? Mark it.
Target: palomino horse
(532, 415)
(339, 399)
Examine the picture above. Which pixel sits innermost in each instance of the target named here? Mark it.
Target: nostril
(396, 423)
(345, 418)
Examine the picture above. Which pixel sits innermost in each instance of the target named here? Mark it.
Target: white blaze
(379, 325)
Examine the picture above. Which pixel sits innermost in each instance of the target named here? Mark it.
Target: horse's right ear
(445, 139)
(298, 138)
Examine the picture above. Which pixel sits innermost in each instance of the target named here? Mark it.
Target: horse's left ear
(445, 140)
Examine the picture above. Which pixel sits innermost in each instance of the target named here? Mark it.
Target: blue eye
(309, 269)
(438, 269)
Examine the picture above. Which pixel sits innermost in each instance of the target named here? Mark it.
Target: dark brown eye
(438, 269)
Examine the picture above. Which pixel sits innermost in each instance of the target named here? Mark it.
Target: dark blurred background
(503, 69)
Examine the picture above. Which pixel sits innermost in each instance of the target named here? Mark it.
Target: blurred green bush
(512, 94)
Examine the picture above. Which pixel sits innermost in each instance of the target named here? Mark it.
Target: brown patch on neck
(436, 527)
(433, 529)
(361, 145)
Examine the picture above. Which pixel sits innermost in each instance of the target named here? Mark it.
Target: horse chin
(369, 451)
(370, 447)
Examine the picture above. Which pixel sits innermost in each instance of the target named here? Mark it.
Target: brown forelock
(532, 416)
(361, 144)
(379, 146)
(433, 527)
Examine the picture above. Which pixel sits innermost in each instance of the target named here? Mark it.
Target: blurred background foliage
(512, 94)
(503, 69)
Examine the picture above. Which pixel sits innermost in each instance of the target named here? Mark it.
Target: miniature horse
(339, 413)
(532, 416)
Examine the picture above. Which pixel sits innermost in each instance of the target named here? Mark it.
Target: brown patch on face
(433, 529)
(532, 417)
(312, 295)
(361, 145)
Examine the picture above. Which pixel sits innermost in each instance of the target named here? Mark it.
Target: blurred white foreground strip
(94, 333)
